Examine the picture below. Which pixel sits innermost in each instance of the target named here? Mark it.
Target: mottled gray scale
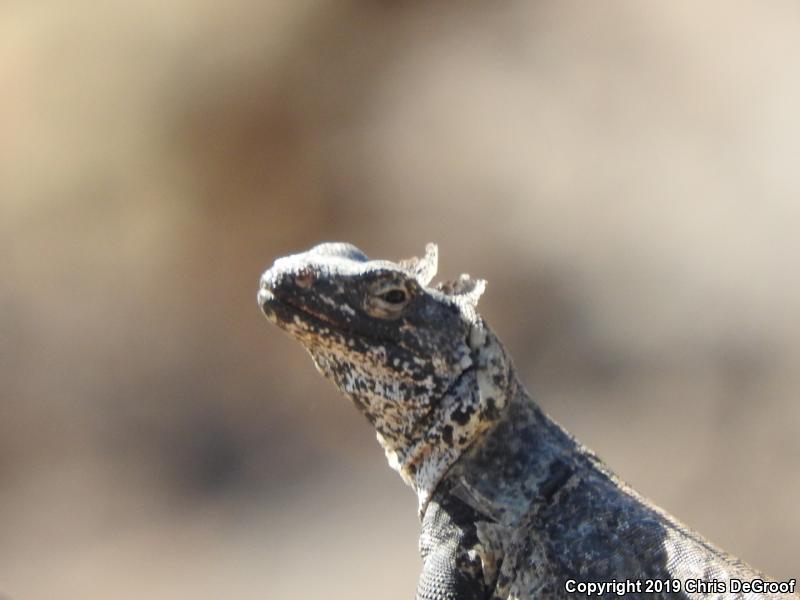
(512, 506)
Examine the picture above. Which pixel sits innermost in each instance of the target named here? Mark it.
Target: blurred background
(624, 174)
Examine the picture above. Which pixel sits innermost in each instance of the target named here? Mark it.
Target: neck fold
(473, 405)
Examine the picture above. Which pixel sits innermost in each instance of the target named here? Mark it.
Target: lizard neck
(525, 459)
(474, 404)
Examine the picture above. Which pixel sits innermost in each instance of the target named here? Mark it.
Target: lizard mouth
(282, 311)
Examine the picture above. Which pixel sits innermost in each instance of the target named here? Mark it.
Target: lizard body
(512, 506)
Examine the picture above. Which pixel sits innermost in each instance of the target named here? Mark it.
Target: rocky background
(624, 174)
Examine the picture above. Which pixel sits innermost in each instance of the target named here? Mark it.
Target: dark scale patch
(528, 437)
(447, 435)
(491, 412)
(560, 472)
(463, 414)
(420, 391)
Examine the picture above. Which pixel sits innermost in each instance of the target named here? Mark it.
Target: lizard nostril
(304, 278)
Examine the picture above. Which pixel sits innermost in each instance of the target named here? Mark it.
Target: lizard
(512, 506)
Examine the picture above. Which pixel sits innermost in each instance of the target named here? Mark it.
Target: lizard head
(396, 346)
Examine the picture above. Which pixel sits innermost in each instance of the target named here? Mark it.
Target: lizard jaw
(281, 311)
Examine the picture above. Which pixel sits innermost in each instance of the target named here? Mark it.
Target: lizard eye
(387, 300)
(396, 296)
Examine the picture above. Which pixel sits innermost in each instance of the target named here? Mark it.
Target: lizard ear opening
(423, 269)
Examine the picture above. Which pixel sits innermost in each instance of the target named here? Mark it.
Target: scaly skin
(512, 506)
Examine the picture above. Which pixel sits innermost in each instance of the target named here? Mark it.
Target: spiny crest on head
(465, 290)
(424, 269)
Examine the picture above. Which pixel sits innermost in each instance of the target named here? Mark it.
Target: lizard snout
(279, 280)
